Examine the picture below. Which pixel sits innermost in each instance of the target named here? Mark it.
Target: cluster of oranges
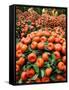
(47, 41)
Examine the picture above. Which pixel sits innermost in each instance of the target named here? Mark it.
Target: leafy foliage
(17, 40)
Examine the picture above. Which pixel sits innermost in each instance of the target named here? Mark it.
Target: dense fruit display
(40, 45)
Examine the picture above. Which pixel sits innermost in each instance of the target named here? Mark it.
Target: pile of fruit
(40, 46)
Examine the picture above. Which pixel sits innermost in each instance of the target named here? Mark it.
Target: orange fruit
(45, 79)
(32, 57)
(18, 53)
(40, 45)
(40, 62)
(24, 75)
(21, 61)
(24, 48)
(45, 56)
(17, 68)
(60, 66)
(43, 39)
(60, 78)
(36, 39)
(33, 45)
(19, 46)
(50, 46)
(64, 50)
(58, 47)
(64, 59)
(38, 80)
(51, 39)
(57, 55)
(30, 72)
(48, 71)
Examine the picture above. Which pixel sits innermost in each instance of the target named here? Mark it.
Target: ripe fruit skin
(57, 40)
(50, 46)
(40, 62)
(40, 45)
(17, 68)
(58, 47)
(39, 33)
(32, 35)
(46, 33)
(24, 48)
(57, 55)
(45, 56)
(60, 78)
(60, 66)
(37, 80)
(25, 29)
(43, 39)
(24, 75)
(51, 39)
(32, 57)
(45, 79)
(64, 59)
(64, 50)
(19, 46)
(61, 40)
(21, 61)
(36, 39)
(26, 40)
(30, 73)
(48, 71)
(33, 45)
(18, 53)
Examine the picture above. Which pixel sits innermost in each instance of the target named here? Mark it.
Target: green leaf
(17, 28)
(27, 52)
(29, 22)
(16, 18)
(46, 65)
(24, 67)
(52, 59)
(58, 71)
(36, 68)
(29, 31)
(29, 66)
(59, 60)
(46, 43)
(42, 73)
(17, 40)
(38, 52)
(52, 77)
